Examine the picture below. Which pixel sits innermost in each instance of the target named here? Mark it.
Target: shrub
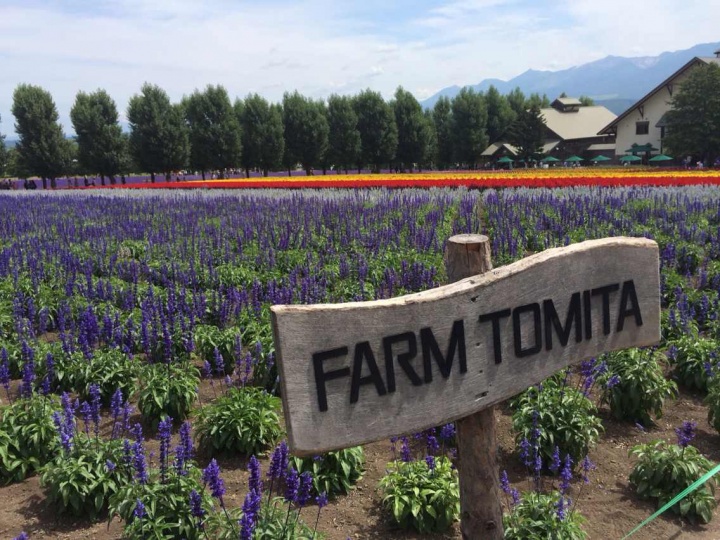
(207, 338)
(27, 436)
(564, 416)
(536, 516)
(167, 390)
(639, 387)
(244, 420)
(167, 507)
(81, 482)
(334, 473)
(422, 496)
(712, 400)
(110, 369)
(690, 356)
(664, 470)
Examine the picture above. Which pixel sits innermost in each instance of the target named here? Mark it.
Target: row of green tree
(207, 132)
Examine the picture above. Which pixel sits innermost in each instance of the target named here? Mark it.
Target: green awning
(601, 158)
(549, 159)
(642, 148)
(661, 157)
(574, 159)
(631, 158)
(505, 159)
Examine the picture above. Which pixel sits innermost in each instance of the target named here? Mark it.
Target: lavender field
(138, 374)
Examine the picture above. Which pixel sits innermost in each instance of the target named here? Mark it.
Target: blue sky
(321, 47)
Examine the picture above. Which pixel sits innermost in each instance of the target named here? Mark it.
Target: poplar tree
(42, 149)
(158, 134)
(101, 146)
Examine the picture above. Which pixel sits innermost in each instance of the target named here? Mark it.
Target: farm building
(571, 129)
(642, 126)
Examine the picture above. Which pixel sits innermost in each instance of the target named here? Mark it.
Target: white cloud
(320, 46)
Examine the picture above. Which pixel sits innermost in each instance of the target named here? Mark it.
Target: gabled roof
(493, 148)
(582, 124)
(692, 63)
(568, 101)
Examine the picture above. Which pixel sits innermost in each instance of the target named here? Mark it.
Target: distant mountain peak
(619, 80)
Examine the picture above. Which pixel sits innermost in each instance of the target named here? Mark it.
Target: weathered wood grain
(480, 508)
(553, 275)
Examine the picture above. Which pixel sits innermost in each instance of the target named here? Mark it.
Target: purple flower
(139, 511)
(28, 377)
(612, 382)
(586, 466)
(292, 483)
(86, 413)
(164, 434)
(109, 465)
(5, 371)
(116, 404)
(555, 464)
(509, 490)
(255, 482)
(685, 433)
(640, 426)
(206, 370)
(433, 446)
(321, 500)
(561, 506)
(566, 475)
(95, 399)
(250, 510)
(49, 374)
(430, 460)
(279, 461)
(303, 493)
(405, 450)
(22, 536)
(447, 432)
(211, 477)
(196, 509)
(138, 455)
(218, 362)
(525, 455)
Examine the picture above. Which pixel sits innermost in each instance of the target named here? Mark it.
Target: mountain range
(614, 81)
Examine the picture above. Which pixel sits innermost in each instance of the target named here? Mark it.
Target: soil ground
(608, 502)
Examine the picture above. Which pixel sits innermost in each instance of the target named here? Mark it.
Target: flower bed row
(510, 179)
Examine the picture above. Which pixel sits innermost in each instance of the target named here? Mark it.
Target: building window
(642, 128)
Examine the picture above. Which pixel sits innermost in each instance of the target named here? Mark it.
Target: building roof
(494, 147)
(568, 101)
(549, 146)
(584, 123)
(692, 63)
(601, 147)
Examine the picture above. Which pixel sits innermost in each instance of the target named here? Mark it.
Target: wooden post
(480, 507)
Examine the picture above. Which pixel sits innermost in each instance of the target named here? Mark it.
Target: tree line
(206, 132)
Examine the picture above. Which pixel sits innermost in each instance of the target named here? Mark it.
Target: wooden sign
(365, 371)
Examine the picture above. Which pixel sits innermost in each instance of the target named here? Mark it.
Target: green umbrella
(549, 159)
(505, 159)
(642, 148)
(631, 158)
(574, 159)
(601, 158)
(661, 157)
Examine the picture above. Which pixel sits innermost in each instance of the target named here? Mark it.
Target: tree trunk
(102, 179)
(53, 183)
(265, 172)
(289, 172)
(44, 182)
(203, 174)
(152, 177)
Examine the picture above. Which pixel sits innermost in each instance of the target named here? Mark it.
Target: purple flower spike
(321, 500)
(196, 509)
(292, 483)
(255, 482)
(139, 511)
(211, 476)
(685, 433)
